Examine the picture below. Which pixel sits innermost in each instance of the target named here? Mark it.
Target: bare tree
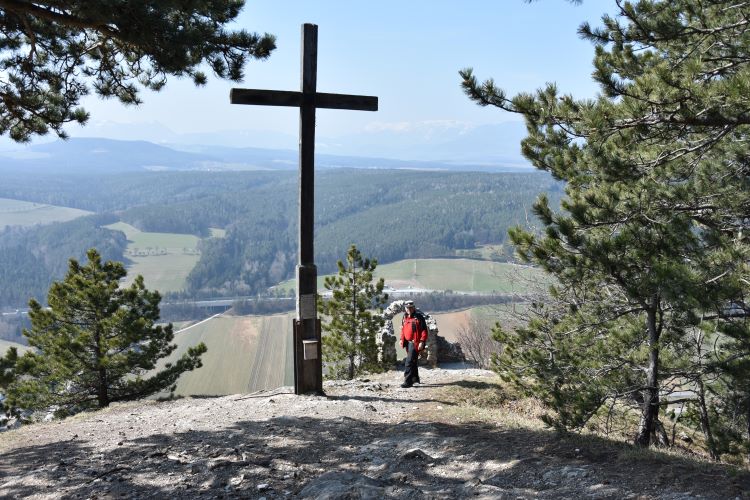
(477, 343)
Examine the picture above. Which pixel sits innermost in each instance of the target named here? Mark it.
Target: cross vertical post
(308, 373)
(308, 367)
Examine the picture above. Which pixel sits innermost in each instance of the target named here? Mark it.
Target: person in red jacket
(413, 338)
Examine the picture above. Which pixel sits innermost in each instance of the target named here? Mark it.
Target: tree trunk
(650, 410)
(661, 437)
(705, 422)
(103, 395)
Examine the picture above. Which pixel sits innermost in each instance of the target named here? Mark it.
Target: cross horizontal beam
(296, 99)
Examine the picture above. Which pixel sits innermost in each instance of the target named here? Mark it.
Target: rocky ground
(451, 437)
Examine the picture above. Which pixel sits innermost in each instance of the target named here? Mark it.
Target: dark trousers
(411, 374)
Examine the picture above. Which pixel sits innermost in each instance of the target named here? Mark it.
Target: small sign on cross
(308, 371)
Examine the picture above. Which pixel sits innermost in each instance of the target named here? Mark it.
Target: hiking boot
(416, 380)
(406, 385)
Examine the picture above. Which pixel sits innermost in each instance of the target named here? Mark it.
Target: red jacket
(413, 329)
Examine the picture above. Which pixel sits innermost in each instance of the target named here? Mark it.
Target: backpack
(420, 316)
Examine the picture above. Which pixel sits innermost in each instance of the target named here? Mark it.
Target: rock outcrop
(387, 339)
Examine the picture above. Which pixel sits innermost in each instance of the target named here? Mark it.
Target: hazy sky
(406, 52)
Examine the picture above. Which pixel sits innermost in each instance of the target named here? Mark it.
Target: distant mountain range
(426, 147)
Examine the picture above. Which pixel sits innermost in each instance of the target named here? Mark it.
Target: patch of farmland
(179, 325)
(163, 259)
(484, 251)
(25, 213)
(153, 242)
(508, 315)
(165, 273)
(6, 344)
(458, 275)
(251, 353)
(448, 324)
(245, 354)
(289, 286)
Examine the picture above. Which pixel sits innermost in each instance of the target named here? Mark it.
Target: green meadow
(163, 259)
(165, 273)
(24, 213)
(484, 251)
(458, 275)
(142, 241)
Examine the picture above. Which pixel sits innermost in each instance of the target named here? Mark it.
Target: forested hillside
(389, 214)
(30, 259)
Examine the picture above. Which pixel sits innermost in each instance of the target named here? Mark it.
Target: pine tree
(7, 367)
(97, 343)
(8, 364)
(54, 53)
(651, 244)
(354, 317)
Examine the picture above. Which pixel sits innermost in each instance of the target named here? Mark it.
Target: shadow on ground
(284, 455)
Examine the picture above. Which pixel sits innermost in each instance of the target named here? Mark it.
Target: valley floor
(451, 437)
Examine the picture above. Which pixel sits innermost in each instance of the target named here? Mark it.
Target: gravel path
(367, 438)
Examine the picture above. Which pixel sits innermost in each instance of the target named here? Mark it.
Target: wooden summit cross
(308, 367)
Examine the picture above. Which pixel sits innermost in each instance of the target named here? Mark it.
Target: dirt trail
(367, 439)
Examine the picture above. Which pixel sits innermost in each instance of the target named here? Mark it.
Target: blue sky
(406, 52)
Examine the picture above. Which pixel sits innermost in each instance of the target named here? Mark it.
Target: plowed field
(245, 354)
(250, 353)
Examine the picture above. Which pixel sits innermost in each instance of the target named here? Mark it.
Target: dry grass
(495, 403)
(487, 401)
